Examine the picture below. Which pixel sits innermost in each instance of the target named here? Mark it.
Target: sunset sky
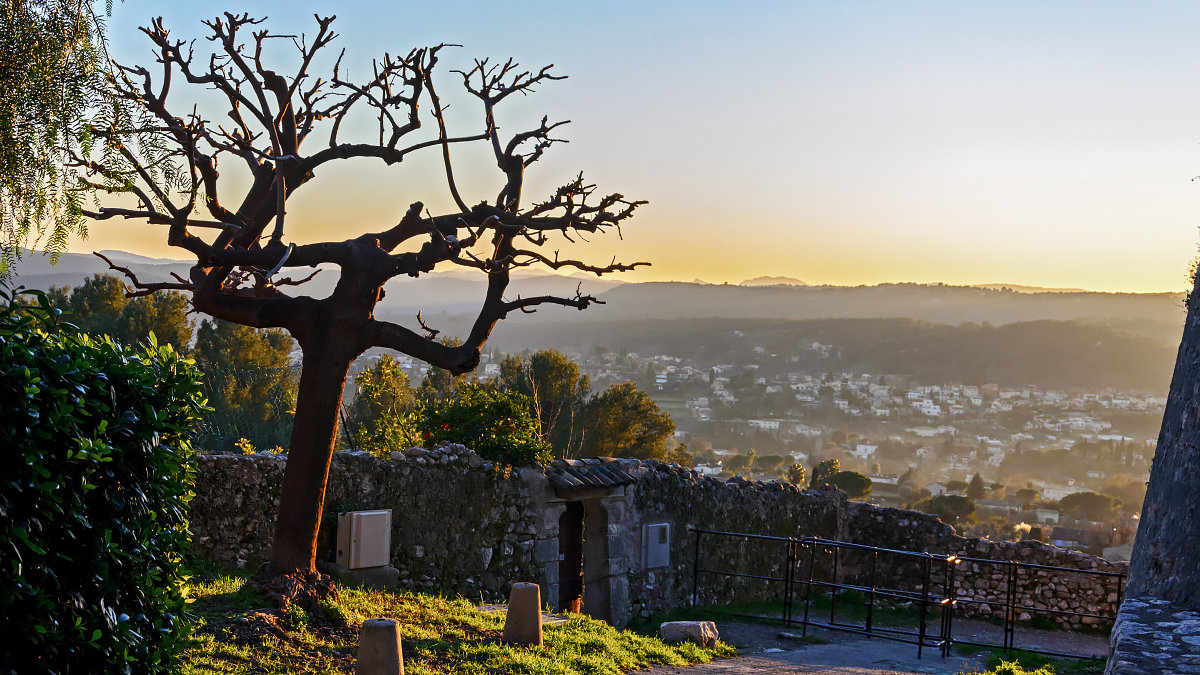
(1049, 144)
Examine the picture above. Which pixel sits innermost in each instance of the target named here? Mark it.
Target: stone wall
(1153, 636)
(668, 493)
(982, 586)
(672, 494)
(460, 526)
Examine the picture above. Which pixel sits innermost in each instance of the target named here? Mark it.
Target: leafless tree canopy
(240, 240)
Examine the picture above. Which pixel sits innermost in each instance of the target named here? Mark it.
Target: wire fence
(254, 404)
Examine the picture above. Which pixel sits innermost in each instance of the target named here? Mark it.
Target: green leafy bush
(496, 424)
(93, 498)
(382, 419)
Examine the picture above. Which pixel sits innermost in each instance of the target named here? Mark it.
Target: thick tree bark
(302, 499)
(1166, 555)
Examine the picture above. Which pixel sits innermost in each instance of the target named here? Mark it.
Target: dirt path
(766, 648)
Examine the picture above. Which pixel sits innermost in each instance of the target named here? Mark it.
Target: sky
(1034, 143)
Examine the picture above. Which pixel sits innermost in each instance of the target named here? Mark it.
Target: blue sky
(1034, 143)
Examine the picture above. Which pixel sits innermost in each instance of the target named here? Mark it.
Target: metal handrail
(935, 593)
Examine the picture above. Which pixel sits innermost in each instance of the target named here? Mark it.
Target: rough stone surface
(1154, 636)
(461, 526)
(1165, 561)
(703, 633)
(384, 577)
(455, 528)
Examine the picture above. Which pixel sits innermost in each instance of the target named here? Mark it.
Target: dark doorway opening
(584, 579)
(570, 558)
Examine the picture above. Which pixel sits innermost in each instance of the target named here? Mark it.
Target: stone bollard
(523, 623)
(379, 650)
(703, 633)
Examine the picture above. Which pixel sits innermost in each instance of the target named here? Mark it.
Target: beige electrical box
(364, 539)
(656, 545)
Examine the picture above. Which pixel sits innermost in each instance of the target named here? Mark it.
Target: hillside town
(1031, 447)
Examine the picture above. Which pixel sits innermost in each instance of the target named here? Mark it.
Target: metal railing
(813, 568)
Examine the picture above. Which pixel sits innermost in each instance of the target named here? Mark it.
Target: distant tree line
(248, 378)
(540, 403)
(539, 407)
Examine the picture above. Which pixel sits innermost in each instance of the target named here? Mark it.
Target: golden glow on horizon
(1054, 149)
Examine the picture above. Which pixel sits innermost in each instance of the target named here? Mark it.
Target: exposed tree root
(293, 586)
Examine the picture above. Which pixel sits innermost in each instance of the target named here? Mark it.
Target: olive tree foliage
(281, 126)
(557, 394)
(99, 306)
(623, 421)
(382, 417)
(389, 414)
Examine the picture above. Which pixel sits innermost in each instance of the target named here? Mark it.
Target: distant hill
(937, 303)
(456, 290)
(773, 281)
(1066, 354)
(1155, 316)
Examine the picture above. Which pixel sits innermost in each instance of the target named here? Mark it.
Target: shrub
(854, 484)
(382, 419)
(496, 424)
(93, 499)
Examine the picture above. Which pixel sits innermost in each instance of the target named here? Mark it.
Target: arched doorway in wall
(584, 577)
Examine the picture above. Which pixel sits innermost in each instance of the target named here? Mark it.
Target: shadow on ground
(767, 648)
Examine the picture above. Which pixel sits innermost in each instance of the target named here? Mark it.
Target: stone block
(547, 551)
(384, 577)
(523, 622)
(379, 651)
(703, 633)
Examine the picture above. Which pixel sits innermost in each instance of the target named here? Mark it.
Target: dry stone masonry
(1154, 636)
(464, 526)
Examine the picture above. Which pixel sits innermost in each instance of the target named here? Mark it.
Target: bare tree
(239, 240)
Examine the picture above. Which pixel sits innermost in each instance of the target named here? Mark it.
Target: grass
(1020, 662)
(234, 633)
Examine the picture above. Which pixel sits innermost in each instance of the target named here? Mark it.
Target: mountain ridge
(456, 293)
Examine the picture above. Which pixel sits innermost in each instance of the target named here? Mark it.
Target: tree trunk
(301, 501)
(1166, 555)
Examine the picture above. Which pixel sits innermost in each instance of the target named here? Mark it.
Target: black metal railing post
(812, 563)
(696, 568)
(833, 586)
(924, 602)
(1010, 606)
(951, 603)
(871, 593)
(788, 579)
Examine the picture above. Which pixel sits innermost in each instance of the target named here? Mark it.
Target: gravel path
(769, 649)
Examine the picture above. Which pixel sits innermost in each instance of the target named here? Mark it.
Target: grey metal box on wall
(656, 545)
